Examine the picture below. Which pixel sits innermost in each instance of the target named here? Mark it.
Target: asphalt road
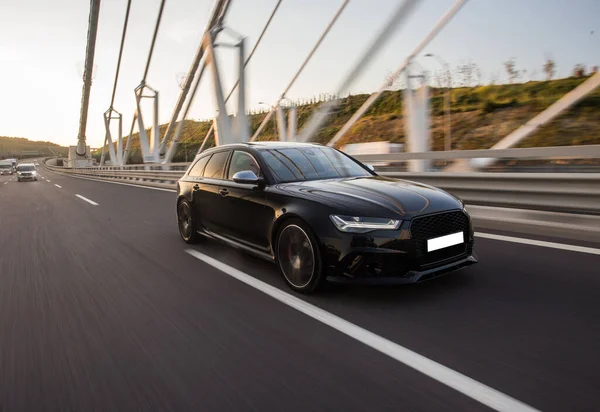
(101, 308)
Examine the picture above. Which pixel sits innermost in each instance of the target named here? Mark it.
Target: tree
(511, 69)
(549, 68)
(439, 79)
(533, 74)
(393, 83)
(579, 70)
(467, 74)
(479, 74)
(522, 74)
(494, 78)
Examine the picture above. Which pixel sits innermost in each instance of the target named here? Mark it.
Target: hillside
(19, 147)
(481, 116)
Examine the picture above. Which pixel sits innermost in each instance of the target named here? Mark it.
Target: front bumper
(412, 276)
(28, 177)
(400, 257)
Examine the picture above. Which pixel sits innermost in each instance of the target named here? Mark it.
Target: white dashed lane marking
(87, 200)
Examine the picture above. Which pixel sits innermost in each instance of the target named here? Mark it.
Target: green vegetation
(19, 147)
(481, 116)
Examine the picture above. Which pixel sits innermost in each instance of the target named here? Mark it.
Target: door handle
(196, 187)
(224, 192)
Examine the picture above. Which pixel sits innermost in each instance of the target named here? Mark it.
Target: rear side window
(198, 168)
(216, 166)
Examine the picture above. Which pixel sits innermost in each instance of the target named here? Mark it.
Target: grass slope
(481, 116)
(15, 146)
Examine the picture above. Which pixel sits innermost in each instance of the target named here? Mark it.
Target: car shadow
(455, 283)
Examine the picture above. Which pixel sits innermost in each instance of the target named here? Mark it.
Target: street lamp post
(448, 109)
(292, 119)
(273, 108)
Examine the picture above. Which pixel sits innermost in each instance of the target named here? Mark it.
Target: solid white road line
(87, 200)
(540, 243)
(463, 384)
(47, 181)
(60, 187)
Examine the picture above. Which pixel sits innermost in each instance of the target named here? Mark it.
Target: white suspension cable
(310, 55)
(319, 117)
(436, 29)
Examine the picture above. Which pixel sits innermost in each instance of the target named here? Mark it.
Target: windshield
(5, 166)
(25, 168)
(296, 164)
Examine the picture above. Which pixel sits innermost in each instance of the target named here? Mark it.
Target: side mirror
(370, 167)
(247, 177)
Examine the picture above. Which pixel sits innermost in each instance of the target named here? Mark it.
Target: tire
(298, 256)
(186, 222)
(18, 180)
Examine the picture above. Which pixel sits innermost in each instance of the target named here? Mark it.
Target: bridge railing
(546, 153)
(557, 192)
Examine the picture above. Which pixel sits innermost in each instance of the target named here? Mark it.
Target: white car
(26, 171)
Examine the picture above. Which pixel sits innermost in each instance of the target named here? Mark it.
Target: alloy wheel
(296, 256)
(185, 220)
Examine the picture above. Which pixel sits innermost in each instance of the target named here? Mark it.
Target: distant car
(26, 171)
(320, 214)
(7, 167)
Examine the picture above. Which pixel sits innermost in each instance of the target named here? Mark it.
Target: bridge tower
(79, 156)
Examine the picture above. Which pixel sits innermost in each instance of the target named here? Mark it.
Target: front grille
(432, 226)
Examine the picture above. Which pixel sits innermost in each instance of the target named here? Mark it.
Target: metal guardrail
(555, 152)
(558, 192)
(158, 167)
(137, 174)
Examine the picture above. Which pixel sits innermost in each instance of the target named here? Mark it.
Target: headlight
(354, 224)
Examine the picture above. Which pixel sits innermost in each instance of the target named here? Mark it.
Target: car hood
(376, 196)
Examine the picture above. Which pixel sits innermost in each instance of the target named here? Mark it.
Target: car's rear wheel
(299, 257)
(185, 222)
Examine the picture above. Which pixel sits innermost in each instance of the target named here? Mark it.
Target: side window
(215, 167)
(241, 161)
(198, 168)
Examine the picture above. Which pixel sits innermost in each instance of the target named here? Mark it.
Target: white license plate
(445, 241)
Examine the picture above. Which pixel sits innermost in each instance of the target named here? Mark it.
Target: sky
(42, 50)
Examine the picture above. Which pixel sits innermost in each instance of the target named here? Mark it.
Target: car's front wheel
(186, 222)
(299, 256)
